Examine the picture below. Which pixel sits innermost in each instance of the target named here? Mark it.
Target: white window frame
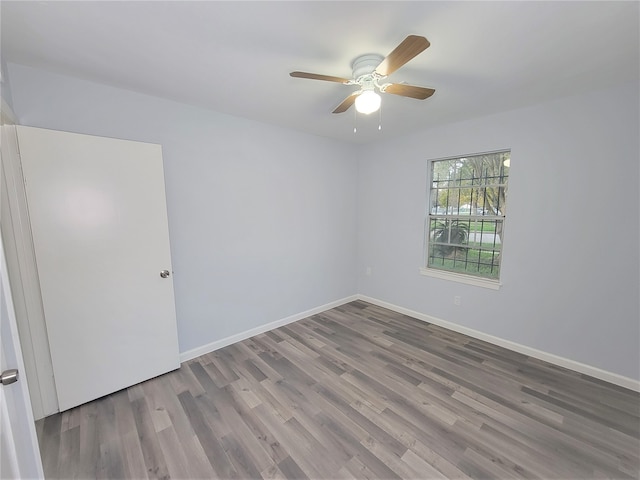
(458, 277)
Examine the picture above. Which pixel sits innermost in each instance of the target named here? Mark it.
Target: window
(466, 214)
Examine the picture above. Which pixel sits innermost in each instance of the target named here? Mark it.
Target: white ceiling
(235, 57)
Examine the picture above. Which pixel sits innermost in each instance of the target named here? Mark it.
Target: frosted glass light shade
(368, 102)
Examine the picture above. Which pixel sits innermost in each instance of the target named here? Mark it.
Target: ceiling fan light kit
(368, 102)
(370, 70)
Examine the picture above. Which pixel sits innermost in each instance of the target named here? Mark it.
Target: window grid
(466, 214)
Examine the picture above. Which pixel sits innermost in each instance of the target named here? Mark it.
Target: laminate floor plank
(291, 470)
(207, 437)
(560, 446)
(69, 452)
(249, 348)
(133, 457)
(111, 463)
(354, 392)
(297, 447)
(240, 457)
(253, 433)
(89, 455)
(151, 451)
(49, 442)
(518, 431)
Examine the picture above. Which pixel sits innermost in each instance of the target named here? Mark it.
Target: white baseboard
(238, 337)
(610, 377)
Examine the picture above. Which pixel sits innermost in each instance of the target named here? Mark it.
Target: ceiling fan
(369, 72)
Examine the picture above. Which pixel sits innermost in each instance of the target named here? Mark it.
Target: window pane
(466, 214)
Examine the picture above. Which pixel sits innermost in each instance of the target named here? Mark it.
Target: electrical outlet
(369, 271)
(457, 300)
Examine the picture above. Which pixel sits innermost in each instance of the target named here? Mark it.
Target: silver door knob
(165, 273)
(9, 376)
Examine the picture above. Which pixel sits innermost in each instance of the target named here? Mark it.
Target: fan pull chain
(380, 119)
(355, 121)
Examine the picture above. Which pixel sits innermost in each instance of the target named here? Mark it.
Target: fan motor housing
(366, 64)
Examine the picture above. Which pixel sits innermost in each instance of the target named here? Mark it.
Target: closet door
(98, 216)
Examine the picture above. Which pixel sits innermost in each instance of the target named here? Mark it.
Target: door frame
(18, 438)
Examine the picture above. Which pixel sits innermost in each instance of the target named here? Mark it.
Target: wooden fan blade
(409, 48)
(315, 76)
(409, 91)
(346, 103)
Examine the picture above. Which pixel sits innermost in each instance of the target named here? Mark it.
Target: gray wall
(262, 220)
(5, 85)
(571, 257)
(266, 223)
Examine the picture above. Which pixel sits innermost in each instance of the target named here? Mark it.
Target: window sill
(461, 278)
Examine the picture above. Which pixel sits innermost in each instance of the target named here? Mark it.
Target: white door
(19, 452)
(98, 215)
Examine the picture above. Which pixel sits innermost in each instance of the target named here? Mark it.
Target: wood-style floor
(355, 392)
